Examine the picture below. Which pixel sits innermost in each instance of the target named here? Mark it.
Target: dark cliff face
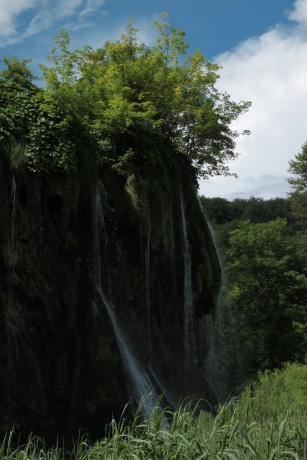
(67, 250)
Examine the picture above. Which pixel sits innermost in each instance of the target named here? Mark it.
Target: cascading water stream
(12, 345)
(98, 230)
(141, 384)
(11, 244)
(147, 297)
(189, 339)
(13, 215)
(220, 335)
(211, 332)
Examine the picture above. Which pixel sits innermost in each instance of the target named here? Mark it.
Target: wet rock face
(62, 367)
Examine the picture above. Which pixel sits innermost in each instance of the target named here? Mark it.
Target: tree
(225, 216)
(33, 129)
(17, 71)
(298, 182)
(268, 288)
(147, 105)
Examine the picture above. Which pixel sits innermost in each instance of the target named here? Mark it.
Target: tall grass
(267, 422)
(178, 435)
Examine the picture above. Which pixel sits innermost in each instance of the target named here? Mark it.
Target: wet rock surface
(62, 367)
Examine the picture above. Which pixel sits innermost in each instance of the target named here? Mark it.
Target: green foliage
(257, 210)
(141, 108)
(298, 182)
(273, 393)
(17, 71)
(145, 105)
(62, 78)
(183, 434)
(268, 289)
(225, 215)
(33, 130)
(263, 301)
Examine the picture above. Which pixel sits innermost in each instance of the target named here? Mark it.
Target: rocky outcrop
(67, 249)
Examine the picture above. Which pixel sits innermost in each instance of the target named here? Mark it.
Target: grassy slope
(253, 427)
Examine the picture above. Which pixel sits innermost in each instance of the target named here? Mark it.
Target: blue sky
(261, 44)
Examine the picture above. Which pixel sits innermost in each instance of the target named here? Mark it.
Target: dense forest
(146, 123)
(262, 248)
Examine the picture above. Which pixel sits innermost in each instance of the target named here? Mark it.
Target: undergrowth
(179, 435)
(267, 422)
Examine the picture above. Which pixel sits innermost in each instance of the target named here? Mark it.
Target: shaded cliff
(107, 265)
(69, 246)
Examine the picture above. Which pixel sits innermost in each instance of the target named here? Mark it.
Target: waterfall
(141, 384)
(12, 239)
(13, 215)
(222, 361)
(147, 297)
(98, 224)
(188, 335)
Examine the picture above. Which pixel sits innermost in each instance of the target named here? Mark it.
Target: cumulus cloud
(299, 13)
(271, 71)
(15, 27)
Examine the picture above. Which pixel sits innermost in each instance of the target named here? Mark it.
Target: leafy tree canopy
(34, 132)
(298, 182)
(268, 288)
(134, 98)
(17, 71)
(139, 107)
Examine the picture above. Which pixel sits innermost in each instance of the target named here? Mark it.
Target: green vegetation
(262, 321)
(268, 288)
(144, 115)
(298, 182)
(138, 108)
(267, 422)
(273, 392)
(32, 130)
(225, 215)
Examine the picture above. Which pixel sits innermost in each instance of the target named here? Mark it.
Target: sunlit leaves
(125, 88)
(158, 102)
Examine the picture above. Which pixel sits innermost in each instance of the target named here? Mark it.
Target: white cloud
(95, 3)
(9, 11)
(44, 14)
(271, 71)
(299, 12)
(86, 12)
(66, 8)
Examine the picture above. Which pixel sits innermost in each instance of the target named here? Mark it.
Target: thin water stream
(141, 384)
(188, 333)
